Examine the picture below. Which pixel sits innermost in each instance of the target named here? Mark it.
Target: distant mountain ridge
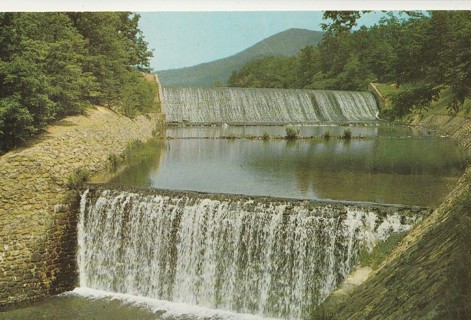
(285, 43)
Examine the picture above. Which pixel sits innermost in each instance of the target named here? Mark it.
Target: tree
(308, 64)
(56, 64)
(40, 71)
(114, 47)
(341, 21)
(269, 72)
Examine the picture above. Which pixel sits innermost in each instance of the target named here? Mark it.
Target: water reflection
(415, 171)
(140, 160)
(306, 130)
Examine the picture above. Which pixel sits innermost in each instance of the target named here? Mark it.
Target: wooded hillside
(419, 53)
(56, 64)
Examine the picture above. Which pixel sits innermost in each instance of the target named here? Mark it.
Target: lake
(388, 165)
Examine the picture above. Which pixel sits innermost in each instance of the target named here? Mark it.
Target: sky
(183, 39)
(188, 32)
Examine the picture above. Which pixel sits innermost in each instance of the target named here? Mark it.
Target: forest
(421, 53)
(54, 65)
(57, 64)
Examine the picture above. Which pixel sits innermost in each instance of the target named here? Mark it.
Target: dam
(249, 106)
(262, 256)
(197, 226)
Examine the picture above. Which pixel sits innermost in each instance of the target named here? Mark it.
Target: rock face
(37, 223)
(428, 275)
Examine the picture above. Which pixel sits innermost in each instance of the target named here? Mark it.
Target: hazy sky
(182, 39)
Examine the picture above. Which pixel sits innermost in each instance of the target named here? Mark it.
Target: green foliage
(271, 72)
(114, 161)
(78, 178)
(56, 64)
(342, 21)
(16, 123)
(331, 65)
(421, 52)
(415, 98)
(374, 258)
(326, 135)
(291, 133)
(133, 147)
(347, 134)
(138, 95)
(266, 136)
(129, 154)
(114, 47)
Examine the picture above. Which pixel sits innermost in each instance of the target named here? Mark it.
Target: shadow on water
(140, 159)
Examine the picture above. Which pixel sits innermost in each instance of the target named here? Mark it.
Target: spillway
(266, 106)
(263, 256)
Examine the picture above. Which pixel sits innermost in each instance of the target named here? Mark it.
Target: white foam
(242, 105)
(226, 254)
(171, 310)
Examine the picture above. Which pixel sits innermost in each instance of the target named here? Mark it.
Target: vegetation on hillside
(437, 107)
(56, 64)
(283, 44)
(422, 54)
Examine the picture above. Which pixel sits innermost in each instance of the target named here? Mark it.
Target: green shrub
(265, 136)
(327, 135)
(78, 178)
(347, 134)
(413, 99)
(291, 133)
(374, 258)
(115, 161)
(16, 124)
(230, 137)
(138, 95)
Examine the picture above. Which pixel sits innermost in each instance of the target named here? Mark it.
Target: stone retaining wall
(427, 276)
(37, 223)
(457, 128)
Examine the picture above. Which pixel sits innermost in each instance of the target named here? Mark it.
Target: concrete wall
(379, 98)
(37, 223)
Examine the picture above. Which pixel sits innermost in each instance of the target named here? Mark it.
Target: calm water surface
(306, 130)
(87, 304)
(392, 165)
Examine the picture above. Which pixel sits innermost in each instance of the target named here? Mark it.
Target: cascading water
(269, 106)
(270, 257)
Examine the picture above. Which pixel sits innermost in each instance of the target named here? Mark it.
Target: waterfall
(263, 256)
(266, 106)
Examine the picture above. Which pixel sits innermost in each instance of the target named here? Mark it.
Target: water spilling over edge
(268, 257)
(268, 106)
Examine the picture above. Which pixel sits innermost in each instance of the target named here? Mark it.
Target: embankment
(427, 276)
(37, 225)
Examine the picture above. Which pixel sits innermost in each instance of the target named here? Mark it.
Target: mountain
(286, 43)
